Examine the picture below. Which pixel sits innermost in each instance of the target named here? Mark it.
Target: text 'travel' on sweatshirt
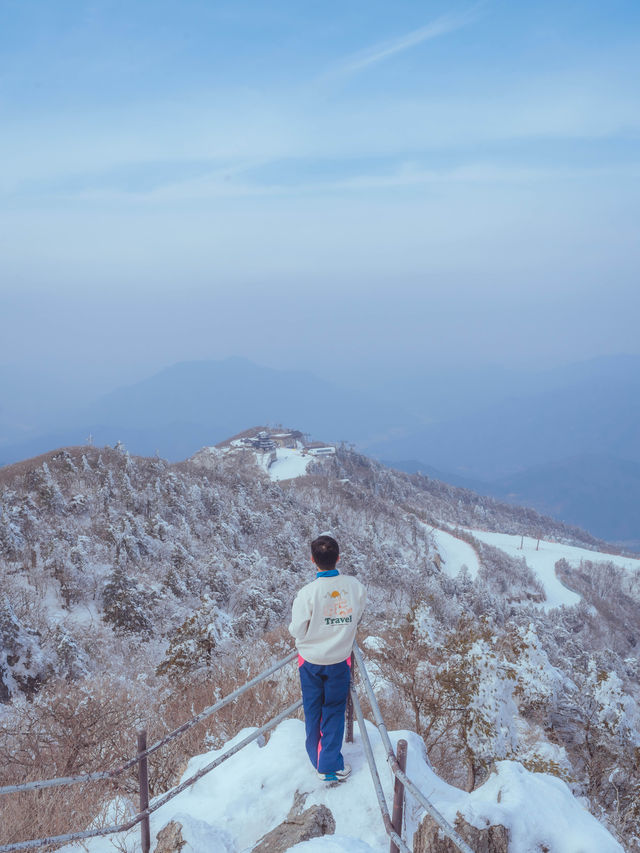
(325, 616)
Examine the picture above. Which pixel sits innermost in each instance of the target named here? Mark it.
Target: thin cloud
(379, 52)
(405, 177)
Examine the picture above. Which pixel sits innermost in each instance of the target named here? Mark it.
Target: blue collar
(330, 573)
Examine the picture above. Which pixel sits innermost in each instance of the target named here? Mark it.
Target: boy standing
(324, 619)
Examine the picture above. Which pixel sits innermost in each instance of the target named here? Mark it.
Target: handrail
(110, 830)
(397, 771)
(117, 771)
(366, 743)
(109, 774)
(169, 795)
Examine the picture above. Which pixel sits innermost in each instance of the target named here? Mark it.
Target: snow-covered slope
(232, 807)
(280, 463)
(288, 464)
(180, 574)
(455, 553)
(540, 555)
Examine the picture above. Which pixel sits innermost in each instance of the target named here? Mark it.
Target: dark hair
(325, 552)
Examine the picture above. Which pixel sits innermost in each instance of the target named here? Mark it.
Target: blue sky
(193, 179)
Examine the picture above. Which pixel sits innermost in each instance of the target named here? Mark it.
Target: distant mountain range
(599, 493)
(566, 442)
(591, 411)
(192, 404)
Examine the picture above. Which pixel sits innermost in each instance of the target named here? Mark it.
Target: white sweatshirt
(325, 616)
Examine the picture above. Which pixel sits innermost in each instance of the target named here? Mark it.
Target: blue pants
(324, 699)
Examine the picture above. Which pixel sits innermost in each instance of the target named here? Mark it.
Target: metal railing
(176, 733)
(142, 817)
(375, 776)
(397, 771)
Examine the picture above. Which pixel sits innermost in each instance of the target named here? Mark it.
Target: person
(324, 619)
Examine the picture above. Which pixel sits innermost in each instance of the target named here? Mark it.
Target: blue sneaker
(335, 775)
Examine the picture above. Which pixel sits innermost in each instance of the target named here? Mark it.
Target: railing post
(349, 711)
(398, 795)
(143, 780)
(349, 723)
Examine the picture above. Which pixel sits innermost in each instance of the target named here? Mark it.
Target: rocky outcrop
(170, 838)
(430, 839)
(299, 826)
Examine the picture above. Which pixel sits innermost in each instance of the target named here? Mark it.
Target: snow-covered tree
(126, 605)
(194, 643)
(23, 664)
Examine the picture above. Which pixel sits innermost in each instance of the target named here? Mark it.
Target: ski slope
(283, 463)
(455, 553)
(543, 558)
(232, 807)
(289, 464)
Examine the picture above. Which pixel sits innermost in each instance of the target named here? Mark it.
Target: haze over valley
(565, 441)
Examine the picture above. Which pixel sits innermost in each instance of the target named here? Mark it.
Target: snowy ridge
(231, 808)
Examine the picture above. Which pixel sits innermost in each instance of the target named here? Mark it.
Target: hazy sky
(318, 183)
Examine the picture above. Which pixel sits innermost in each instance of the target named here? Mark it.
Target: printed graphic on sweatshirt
(336, 608)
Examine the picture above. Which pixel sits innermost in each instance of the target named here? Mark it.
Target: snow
(332, 844)
(288, 465)
(455, 553)
(533, 746)
(543, 560)
(374, 644)
(282, 463)
(540, 812)
(540, 558)
(233, 806)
